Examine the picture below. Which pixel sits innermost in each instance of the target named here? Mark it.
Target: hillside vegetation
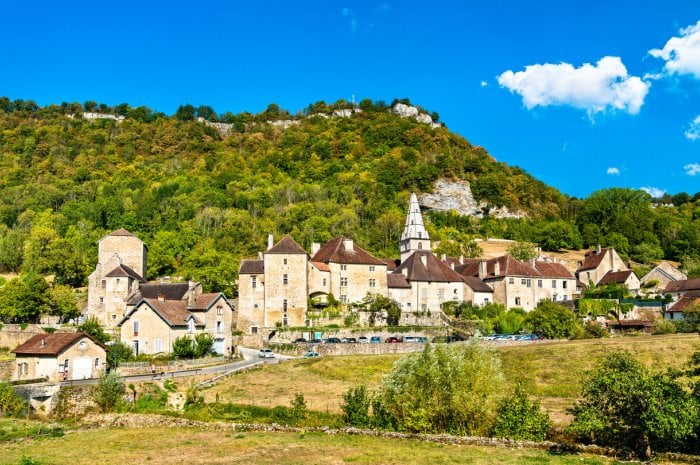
(202, 200)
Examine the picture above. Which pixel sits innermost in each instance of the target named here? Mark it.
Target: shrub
(10, 402)
(356, 403)
(593, 330)
(109, 391)
(519, 417)
(664, 327)
(183, 347)
(553, 321)
(92, 327)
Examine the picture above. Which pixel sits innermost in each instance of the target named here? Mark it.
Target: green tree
(184, 347)
(92, 326)
(445, 388)
(627, 407)
(10, 402)
(557, 235)
(109, 391)
(356, 404)
(553, 321)
(23, 300)
(522, 250)
(520, 417)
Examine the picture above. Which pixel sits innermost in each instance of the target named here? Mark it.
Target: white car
(266, 353)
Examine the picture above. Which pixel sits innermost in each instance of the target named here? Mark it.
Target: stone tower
(415, 236)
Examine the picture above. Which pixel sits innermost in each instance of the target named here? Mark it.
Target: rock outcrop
(457, 195)
(408, 111)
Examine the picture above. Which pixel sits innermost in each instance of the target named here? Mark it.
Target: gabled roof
(617, 277)
(121, 232)
(286, 246)
(476, 284)
(390, 264)
(252, 267)
(321, 266)
(397, 281)
(685, 302)
(666, 269)
(553, 270)
(51, 344)
(433, 270)
(173, 312)
(171, 291)
(204, 301)
(683, 286)
(123, 271)
(593, 258)
(509, 266)
(470, 267)
(335, 251)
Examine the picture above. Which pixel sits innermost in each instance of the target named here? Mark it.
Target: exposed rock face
(457, 195)
(408, 111)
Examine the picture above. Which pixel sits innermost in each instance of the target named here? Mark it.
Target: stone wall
(7, 369)
(12, 336)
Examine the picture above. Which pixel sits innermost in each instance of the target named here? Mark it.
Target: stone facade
(660, 276)
(598, 263)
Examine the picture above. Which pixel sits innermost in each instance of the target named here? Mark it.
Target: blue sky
(584, 95)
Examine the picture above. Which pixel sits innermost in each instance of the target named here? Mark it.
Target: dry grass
(552, 371)
(194, 446)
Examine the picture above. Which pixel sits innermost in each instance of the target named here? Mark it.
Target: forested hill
(202, 199)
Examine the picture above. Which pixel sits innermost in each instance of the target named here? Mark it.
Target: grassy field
(552, 371)
(168, 445)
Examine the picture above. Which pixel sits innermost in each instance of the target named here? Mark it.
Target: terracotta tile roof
(684, 285)
(321, 266)
(173, 312)
(433, 270)
(335, 251)
(470, 267)
(617, 277)
(476, 284)
(121, 232)
(286, 246)
(395, 281)
(553, 270)
(124, 271)
(51, 344)
(508, 266)
(390, 264)
(593, 258)
(171, 291)
(204, 301)
(252, 267)
(685, 303)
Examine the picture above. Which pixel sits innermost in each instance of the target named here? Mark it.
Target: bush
(553, 321)
(109, 391)
(519, 417)
(10, 402)
(593, 330)
(664, 327)
(444, 389)
(356, 403)
(92, 327)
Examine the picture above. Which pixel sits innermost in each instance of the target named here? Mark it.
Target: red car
(392, 339)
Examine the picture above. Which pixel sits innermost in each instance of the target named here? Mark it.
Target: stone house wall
(292, 290)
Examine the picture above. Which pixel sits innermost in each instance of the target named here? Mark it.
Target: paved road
(250, 358)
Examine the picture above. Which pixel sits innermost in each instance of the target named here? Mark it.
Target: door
(82, 368)
(219, 346)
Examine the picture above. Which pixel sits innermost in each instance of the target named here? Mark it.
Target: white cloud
(347, 12)
(682, 54)
(692, 169)
(653, 191)
(593, 88)
(693, 132)
(484, 83)
(613, 170)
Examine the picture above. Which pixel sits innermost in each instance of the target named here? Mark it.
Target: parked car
(316, 341)
(299, 340)
(363, 340)
(266, 353)
(527, 337)
(375, 340)
(350, 340)
(311, 354)
(333, 340)
(392, 340)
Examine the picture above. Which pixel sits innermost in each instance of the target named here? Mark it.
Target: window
(343, 282)
(102, 300)
(343, 299)
(219, 310)
(255, 306)
(219, 326)
(528, 282)
(284, 305)
(441, 294)
(563, 284)
(190, 325)
(104, 283)
(523, 281)
(420, 246)
(253, 330)
(371, 268)
(564, 298)
(97, 363)
(65, 365)
(343, 267)
(554, 284)
(136, 328)
(114, 316)
(254, 282)
(285, 279)
(517, 301)
(372, 282)
(324, 282)
(285, 261)
(511, 280)
(157, 345)
(539, 283)
(117, 280)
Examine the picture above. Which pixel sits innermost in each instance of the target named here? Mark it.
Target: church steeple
(414, 236)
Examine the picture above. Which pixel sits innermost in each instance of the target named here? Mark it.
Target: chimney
(315, 247)
(598, 249)
(404, 272)
(161, 297)
(496, 268)
(532, 262)
(424, 259)
(43, 342)
(348, 245)
(452, 265)
(270, 241)
(443, 257)
(260, 255)
(461, 259)
(482, 270)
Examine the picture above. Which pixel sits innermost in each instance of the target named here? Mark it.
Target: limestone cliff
(457, 195)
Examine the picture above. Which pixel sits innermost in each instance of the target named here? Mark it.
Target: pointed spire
(414, 228)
